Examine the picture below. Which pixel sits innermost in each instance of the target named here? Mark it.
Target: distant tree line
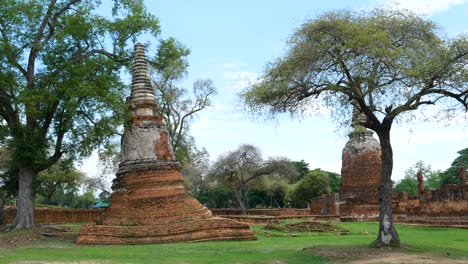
(433, 179)
(243, 178)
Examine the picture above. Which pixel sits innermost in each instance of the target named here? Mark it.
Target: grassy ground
(271, 247)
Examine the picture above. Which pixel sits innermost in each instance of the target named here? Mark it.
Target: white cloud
(428, 7)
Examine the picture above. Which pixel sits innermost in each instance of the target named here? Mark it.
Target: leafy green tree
(58, 176)
(237, 169)
(268, 191)
(8, 181)
(302, 168)
(216, 197)
(314, 184)
(277, 191)
(408, 185)
(60, 89)
(431, 177)
(335, 181)
(434, 180)
(451, 175)
(169, 67)
(383, 63)
(85, 200)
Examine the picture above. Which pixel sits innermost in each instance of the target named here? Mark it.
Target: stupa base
(212, 229)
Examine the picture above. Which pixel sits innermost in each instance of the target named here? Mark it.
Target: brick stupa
(149, 204)
(360, 173)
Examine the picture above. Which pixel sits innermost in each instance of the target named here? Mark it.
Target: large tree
(60, 176)
(239, 168)
(60, 88)
(409, 183)
(383, 63)
(177, 105)
(314, 184)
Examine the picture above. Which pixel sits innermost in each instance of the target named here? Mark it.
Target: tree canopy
(61, 95)
(451, 175)
(380, 64)
(241, 167)
(314, 184)
(175, 104)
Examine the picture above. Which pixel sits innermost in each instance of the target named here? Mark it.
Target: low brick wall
(276, 219)
(326, 204)
(58, 215)
(269, 212)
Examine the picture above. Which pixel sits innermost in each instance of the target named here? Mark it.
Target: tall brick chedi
(149, 203)
(360, 172)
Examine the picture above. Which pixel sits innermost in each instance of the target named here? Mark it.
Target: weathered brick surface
(268, 211)
(326, 204)
(149, 203)
(58, 215)
(360, 175)
(152, 206)
(448, 202)
(276, 219)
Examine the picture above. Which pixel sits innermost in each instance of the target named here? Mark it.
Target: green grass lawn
(271, 247)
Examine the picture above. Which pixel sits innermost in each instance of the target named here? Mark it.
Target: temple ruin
(360, 175)
(149, 203)
(358, 198)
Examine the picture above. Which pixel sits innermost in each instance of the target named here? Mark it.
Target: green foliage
(431, 177)
(67, 97)
(335, 181)
(302, 168)
(8, 175)
(61, 95)
(171, 59)
(257, 199)
(242, 170)
(104, 196)
(61, 178)
(268, 192)
(381, 64)
(85, 200)
(316, 183)
(451, 175)
(377, 61)
(177, 105)
(216, 197)
(408, 185)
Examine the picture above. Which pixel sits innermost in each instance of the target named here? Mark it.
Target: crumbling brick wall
(326, 204)
(360, 173)
(450, 200)
(267, 211)
(58, 215)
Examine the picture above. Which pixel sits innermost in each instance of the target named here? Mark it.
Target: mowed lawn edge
(271, 247)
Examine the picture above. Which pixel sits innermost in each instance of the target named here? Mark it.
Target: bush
(315, 183)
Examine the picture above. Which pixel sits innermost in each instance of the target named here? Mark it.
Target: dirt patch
(307, 226)
(397, 258)
(366, 255)
(18, 238)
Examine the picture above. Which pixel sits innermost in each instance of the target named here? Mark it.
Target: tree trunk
(240, 200)
(2, 205)
(388, 235)
(25, 204)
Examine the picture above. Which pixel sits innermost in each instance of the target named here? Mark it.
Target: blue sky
(231, 41)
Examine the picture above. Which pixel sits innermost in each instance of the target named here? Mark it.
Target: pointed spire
(142, 99)
(358, 129)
